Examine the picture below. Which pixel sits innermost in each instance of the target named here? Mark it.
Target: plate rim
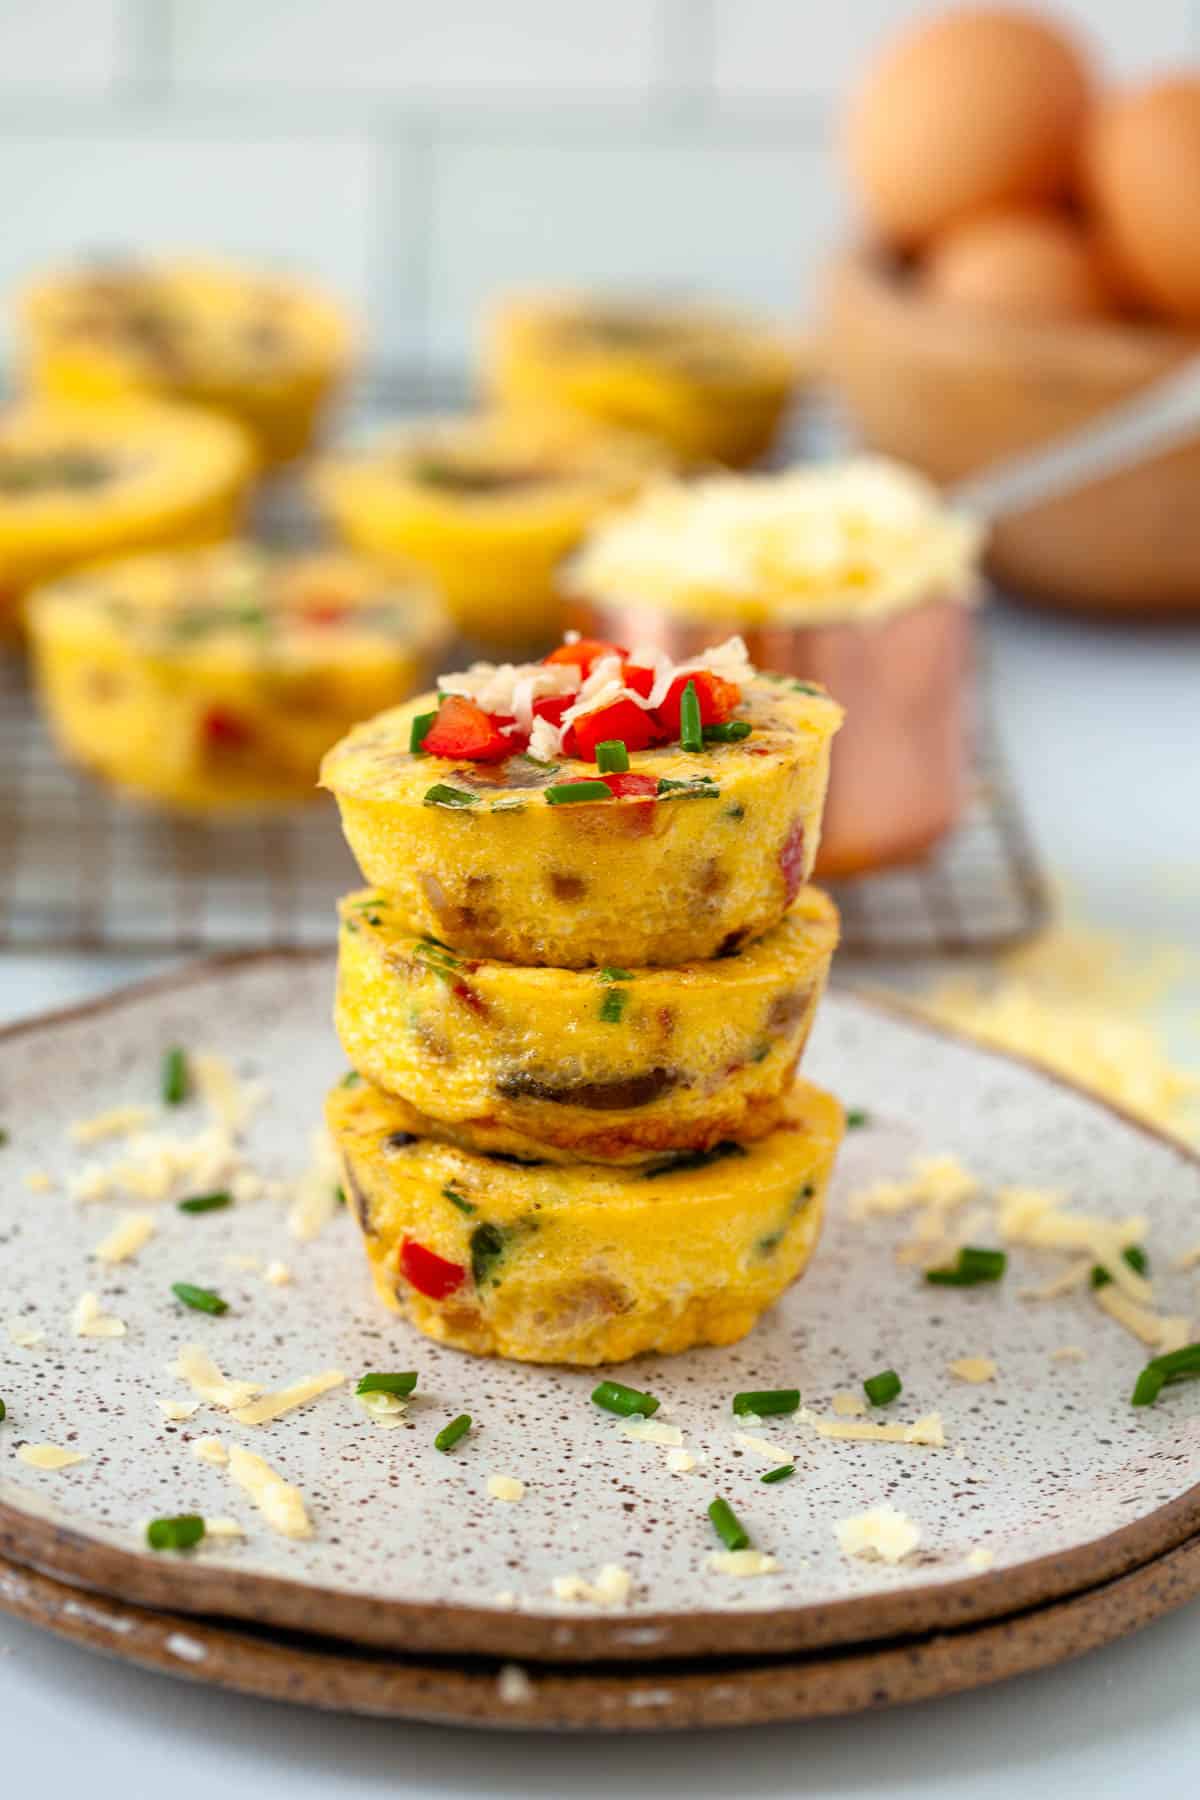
(67, 1553)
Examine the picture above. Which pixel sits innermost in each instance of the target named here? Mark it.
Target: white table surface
(1103, 729)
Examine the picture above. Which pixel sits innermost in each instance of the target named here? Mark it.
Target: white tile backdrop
(418, 153)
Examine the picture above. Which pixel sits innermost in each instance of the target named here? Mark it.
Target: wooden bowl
(952, 392)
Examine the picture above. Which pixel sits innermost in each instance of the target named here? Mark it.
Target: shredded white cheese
(178, 1410)
(385, 1410)
(759, 1446)
(50, 1456)
(882, 1532)
(315, 1194)
(1069, 1353)
(280, 1504)
(277, 1274)
(926, 1431)
(680, 1462)
(205, 1379)
(25, 1337)
(230, 1101)
(742, 1562)
(223, 1528)
(275, 1404)
(1161, 1332)
(131, 1233)
(38, 1181)
(652, 1431)
(981, 1559)
(1076, 1276)
(119, 1121)
(610, 1588)
(974, 1369)
(210, 1450)
(505, 1487)
(848, 1406)
(88, 1320)
(513, 1686)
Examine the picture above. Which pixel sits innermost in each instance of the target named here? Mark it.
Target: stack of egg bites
(575, 996)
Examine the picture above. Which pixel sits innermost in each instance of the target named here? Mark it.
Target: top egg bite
(582, 844)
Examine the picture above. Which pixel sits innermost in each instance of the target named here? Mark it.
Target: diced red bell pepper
(639, 680)
(583, 653)
(463, 730)
(717, 699)
(631, 785)
(428, 1272)
(323, 612)
(224, 730)
(623, 719)
(552, 707)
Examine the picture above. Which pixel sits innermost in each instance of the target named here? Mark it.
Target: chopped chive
(972, 1267)
(449, 1435)
(180, 1533)
(779, 1474)
(3, 1137)
(691, 731)
(1176, 1365)
(612, 758)
(420, 730)
(882, 1388)
(175, 1080)
(856, 1118)
(377, 1383)
(807, 687)
(1133, 1254)
(442, 795)
(351, 1078)
(767, 1401)
(3, 1412)
(202, 1203)
(612, 1007)
(730, 731)
(201, 1299)
(727, 1526)
(701, 787)
(615, 975)
(339, 1194)
(615, 1397)
(487, 1252)
(464, 1206)
(694, 1159)
(570, 793)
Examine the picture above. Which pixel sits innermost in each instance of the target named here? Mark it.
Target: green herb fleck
(176, 1079)
(883, 1388)
(730, 731)
(571, 793)
(612, 758)
(700, 787)
(464, 1206)
(612, 1007)
(200, 1299)
(204, 1203)
(3, 1137)
(442, 795)
(450, 1434)
(183, 1532)
(351, 1078)
(856, 1118)
(377, 1383)
(727, 1525)
(421, 727)
(1133, 1254)
(780, 1474)
(487, 1248)
(735, 810)
(615, 1397)
(973, 1266)
(694, 1159)
(615, 975)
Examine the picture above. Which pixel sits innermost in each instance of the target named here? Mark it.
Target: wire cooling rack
(81, 869)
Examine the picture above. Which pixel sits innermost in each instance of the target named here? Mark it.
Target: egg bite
(709, 382)
(211, 681)
(564, 844)
(584, 1263)
(611, 1065)
(489, 507)
(78, 484)
(267, 350)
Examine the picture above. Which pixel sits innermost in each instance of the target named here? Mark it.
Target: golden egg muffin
(78, 484)
(709, 382)
(610, 1065)
(489, 506)
(539, 858)
(212, 681)
(264, 349)
(582, 1262)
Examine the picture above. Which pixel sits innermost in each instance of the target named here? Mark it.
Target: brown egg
(1142, 167)
(970, 110)
(1020, 265)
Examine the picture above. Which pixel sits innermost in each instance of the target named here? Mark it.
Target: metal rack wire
(81, 869)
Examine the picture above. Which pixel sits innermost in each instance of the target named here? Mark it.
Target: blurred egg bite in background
(213, 681)
(80, 483)
(709, 382)
(267, 350)
(489, 505)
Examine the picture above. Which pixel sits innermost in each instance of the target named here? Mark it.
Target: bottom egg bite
(584, 1263)
(611, 1064)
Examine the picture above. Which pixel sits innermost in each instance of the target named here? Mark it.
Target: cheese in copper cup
(852, 574)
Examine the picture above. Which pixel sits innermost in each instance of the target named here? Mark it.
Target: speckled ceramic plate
(577, 1697)
(1048, 1468)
